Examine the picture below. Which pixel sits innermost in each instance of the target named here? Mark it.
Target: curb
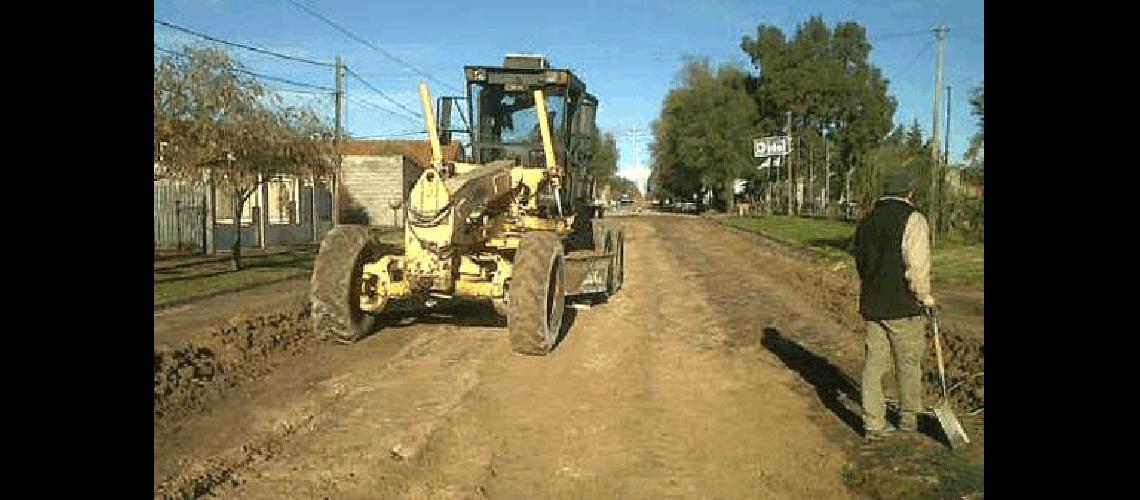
(806, 251)
(846, 271)
(159, 306)
(220, 257)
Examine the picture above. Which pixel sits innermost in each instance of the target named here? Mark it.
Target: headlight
(558, 77)
(476, 74)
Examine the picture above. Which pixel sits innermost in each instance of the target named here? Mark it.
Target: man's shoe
(877, 434)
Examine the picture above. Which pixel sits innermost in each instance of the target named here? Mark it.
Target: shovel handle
(938, 352)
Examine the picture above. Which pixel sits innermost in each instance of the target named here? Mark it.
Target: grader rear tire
(537, 294)
(336, 284)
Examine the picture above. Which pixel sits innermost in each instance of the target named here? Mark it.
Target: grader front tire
(336, 284)
(537, 298)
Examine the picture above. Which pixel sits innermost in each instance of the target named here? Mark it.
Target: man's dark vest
(878, 256)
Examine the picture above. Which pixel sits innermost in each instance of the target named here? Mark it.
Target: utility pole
(313, 219)
(945, 164)
(336, 141)
(791, 172)
(826, 171)
(940, 34)
(946, 148)
(847, 192)
(811, 174)
(210, 213)
(633, 134)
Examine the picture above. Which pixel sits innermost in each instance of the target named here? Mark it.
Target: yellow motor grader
(514, 223)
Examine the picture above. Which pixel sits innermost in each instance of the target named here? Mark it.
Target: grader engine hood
(441, 211)
(445, 218)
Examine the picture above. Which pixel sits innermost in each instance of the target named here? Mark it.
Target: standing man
(892, 255)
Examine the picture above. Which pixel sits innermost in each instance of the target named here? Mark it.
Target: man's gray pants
(905, 338)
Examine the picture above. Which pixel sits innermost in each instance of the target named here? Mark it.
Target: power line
(375, 106)
(900, 35)
(378, 107)
(369, 44)
(394, 134)
(381, 92)
(235, 44)
(259, 75)
(920, 53)
(307, 92)
(290, 82)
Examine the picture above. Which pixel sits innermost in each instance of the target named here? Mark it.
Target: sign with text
(770, 146)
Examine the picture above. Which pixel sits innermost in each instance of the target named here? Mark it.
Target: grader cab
(511, 223)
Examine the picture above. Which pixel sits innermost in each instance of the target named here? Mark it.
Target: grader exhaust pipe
(548, 146)
(433, 132)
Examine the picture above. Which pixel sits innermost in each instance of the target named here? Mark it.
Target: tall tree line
(697, 138)
(840, 112)
(603, 166)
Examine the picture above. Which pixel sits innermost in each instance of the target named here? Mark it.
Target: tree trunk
(729, 194)
(235, 250)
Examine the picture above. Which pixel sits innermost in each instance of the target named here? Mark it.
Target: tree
(976, 153)
(823, 76)
(218, 121)
(702, 139)
(905, 148)
(603, 163)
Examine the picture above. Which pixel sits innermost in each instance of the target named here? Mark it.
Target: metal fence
(179, 216)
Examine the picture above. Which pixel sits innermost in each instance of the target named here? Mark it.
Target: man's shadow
(830, 382)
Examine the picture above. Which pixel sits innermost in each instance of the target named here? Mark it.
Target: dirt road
(697, 380)
(175, 324)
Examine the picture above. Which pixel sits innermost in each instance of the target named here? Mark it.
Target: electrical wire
(368, 44)
(920, 53)
(259, 75)
(383, 94)
(378, 107)
(240, 45)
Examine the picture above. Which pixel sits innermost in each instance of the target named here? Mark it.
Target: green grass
(955, 260)
(186, 276)
(212, 277)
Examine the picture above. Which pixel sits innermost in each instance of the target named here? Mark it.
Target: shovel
(950, 425)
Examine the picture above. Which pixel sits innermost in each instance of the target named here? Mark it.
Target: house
(376, 175)
(965, 181)
(187, 217)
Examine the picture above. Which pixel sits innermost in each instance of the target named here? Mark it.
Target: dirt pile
(188, 375)
(964, 355)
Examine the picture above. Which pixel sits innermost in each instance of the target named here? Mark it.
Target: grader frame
(514, 224)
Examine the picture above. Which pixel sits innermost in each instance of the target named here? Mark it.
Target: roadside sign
(738, 186)
(770, 146)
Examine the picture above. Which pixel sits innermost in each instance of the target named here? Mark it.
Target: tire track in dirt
(660, 392)
(640, 400)
(330, 389)
(819, 335)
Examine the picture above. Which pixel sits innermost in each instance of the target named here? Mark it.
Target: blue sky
(626, 51)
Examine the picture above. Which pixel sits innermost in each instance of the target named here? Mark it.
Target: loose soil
(725, 368)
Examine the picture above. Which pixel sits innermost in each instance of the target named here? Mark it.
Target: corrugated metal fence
(179, 215)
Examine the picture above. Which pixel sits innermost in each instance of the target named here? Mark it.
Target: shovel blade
(955, 434)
